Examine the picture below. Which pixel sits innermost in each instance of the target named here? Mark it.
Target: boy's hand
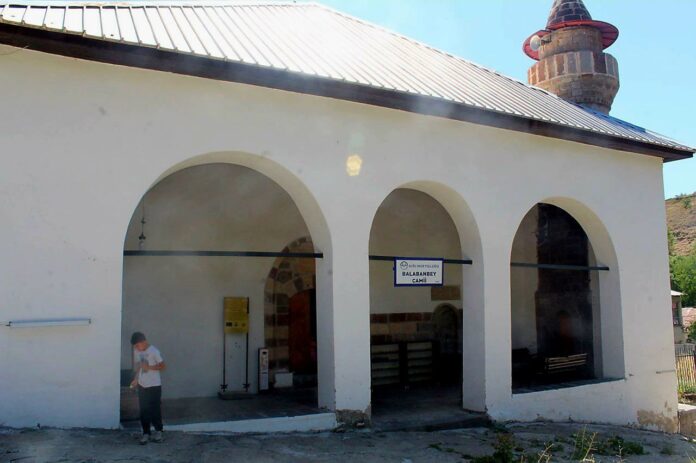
(134, 384)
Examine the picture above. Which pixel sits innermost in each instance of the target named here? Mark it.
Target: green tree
(683, 273)
(691, 333)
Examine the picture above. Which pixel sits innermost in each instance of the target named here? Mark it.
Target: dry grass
(681, 220)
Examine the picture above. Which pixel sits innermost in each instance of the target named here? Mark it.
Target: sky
(656, 51)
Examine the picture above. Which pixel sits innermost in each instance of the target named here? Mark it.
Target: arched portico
(608, 282)
(428, 219)
(473, 303)
(565, 300)
(248, 171)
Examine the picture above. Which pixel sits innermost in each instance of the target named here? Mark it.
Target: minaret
(571, 59)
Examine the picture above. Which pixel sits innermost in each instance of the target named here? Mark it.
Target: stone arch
(447, 331)
(288, 277)
(447, 321)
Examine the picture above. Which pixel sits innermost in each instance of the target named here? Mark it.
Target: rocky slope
(681, 220)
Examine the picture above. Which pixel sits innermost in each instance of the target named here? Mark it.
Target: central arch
(429, 220)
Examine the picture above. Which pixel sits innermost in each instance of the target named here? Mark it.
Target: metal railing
(684, 349)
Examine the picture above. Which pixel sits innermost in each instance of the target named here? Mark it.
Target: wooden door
(302, 336)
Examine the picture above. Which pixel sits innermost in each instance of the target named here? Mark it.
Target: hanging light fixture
(142, 237)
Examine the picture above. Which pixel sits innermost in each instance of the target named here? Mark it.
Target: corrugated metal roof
(311, 39)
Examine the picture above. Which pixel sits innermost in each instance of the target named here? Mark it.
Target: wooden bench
(402, 363)
(564, 364)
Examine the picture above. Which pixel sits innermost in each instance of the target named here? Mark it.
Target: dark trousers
(149, 399)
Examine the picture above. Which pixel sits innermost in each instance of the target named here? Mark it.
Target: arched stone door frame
(288, 277)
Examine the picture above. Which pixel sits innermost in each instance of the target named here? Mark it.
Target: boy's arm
(159, 367)
(136, 370)
(159, 363)
(134, 381)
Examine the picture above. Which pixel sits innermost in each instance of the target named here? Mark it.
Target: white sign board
(418, 272)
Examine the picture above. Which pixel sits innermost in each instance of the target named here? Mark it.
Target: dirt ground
(538, 442)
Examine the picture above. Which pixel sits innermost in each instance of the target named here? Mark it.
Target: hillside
(681, 220)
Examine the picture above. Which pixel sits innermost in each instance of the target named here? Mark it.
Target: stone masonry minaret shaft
(571, 59)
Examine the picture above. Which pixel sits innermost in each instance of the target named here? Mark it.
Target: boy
(147, 364)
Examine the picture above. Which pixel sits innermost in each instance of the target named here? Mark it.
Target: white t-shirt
(149, 378)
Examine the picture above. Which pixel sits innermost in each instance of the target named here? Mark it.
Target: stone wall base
(687, 420)
(353, 418)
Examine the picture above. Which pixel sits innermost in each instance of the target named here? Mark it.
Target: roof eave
(77, 46)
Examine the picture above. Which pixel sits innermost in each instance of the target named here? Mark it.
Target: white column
(497, 318)
(351, 317)
(325, 332)
(473, 337)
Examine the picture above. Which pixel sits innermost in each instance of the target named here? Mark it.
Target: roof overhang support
(76, 46)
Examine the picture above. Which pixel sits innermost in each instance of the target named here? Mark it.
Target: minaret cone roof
(567, 10)
(571, 13)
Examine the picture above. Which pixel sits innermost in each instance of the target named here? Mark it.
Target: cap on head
(137, 337)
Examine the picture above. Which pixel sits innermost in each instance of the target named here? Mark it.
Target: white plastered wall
(83, 141)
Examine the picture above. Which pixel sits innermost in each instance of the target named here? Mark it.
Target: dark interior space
(563, 305)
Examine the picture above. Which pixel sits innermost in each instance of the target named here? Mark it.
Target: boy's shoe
(157, 437)
(144, 439)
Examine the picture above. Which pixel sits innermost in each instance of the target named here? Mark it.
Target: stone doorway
(291, 318)
(447, 333)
